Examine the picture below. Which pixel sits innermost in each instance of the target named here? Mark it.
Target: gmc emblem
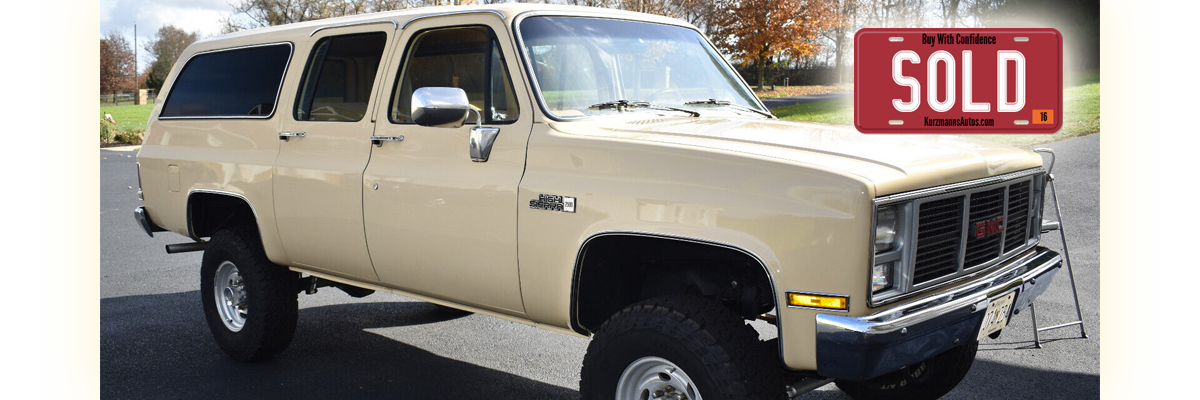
(989, 227)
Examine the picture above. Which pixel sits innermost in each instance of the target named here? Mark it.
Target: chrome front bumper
(857, 348)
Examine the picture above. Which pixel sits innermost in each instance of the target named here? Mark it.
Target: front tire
(681, 347)
(929, 379)
(249, 302)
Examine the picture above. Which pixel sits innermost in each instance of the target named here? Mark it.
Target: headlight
(891, 226)
(885, 229)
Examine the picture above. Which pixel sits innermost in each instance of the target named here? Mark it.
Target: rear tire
(680, 345)
(929, 379)
(249, 302)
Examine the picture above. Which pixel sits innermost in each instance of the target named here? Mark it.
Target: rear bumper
(857, 348)
(143, 220)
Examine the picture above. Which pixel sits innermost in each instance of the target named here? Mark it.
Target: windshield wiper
(622, 105)
(716, 102)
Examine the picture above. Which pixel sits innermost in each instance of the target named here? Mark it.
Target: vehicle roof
(287, 32)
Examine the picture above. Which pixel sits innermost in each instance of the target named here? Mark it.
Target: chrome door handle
(284, 136)
(378, 140)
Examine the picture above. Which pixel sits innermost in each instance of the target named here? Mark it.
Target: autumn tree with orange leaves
(759, 30)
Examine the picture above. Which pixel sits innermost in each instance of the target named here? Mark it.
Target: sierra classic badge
(552, 202)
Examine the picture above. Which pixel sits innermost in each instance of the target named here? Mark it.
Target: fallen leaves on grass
(788, 91)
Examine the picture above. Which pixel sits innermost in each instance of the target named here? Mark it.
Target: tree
(695, 12)
(841, 28)
(144, 79)
(250, 14)
(594, 3)
(117, 66)
(760, 30)
(1077, 20)
(659, 7)
(950, 15)
(165, 47)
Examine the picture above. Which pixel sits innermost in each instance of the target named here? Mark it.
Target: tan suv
(592, 172)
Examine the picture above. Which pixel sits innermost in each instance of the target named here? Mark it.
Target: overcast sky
(190, 15)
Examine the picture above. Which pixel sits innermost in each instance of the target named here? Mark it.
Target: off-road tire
(929, 379)
(270, 296)
(713, 345)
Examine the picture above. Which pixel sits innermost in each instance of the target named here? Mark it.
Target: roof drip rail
(442, 14)
(395, 25)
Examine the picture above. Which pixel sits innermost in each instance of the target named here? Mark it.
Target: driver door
(437, 222)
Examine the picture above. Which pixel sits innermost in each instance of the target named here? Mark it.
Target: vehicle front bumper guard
(859, 348)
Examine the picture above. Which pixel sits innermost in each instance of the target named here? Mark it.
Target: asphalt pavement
(154, 342)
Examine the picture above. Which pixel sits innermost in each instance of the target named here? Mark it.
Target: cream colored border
(67, 198)
(1131, 198)
(69, 192)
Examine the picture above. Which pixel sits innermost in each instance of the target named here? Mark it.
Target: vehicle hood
(892, 163)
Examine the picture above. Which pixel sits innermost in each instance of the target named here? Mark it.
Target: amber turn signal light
(828, 302)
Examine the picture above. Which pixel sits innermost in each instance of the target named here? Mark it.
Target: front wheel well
(616, 270)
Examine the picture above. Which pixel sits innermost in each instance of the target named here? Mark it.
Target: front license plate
(958, 80)
(996, 316)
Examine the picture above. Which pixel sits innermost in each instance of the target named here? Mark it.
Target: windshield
(580, 62)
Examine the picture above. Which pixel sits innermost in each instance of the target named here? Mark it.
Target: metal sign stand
(1048, 226)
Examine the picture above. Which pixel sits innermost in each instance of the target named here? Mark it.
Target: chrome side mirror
(445, 107)
(442, 107)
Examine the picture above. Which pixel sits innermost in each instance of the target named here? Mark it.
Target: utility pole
(135, 65)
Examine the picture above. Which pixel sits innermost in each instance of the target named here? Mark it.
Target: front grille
(938, 236)
(985, 206)
(1017, 222)
(950, 239)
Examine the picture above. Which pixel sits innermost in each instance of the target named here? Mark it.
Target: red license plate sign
(958, 80)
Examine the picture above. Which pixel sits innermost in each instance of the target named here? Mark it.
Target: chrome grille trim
(954, 187)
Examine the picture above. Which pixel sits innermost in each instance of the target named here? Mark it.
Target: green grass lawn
(1081, 106)
(129, 117)
(840, 111)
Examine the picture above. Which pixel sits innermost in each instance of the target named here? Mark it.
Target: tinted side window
(339, 78)
(468, 58)
(234, 83)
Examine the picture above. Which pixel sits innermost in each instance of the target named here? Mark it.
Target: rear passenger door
(318, 175)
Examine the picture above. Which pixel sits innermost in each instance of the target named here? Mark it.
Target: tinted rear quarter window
(229, 83)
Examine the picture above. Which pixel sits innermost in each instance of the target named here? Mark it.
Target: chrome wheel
(655, 378)
(230, 293)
